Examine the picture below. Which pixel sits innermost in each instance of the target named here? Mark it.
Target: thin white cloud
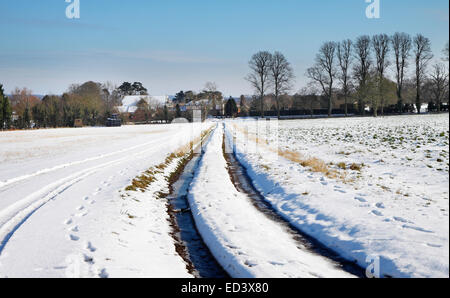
(162, 56)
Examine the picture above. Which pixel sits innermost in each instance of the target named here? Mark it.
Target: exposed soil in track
(244, 184)
(188, 241)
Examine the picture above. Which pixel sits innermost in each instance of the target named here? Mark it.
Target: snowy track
(51, 214)
(244, 241)
(13, 216)
(392, 209)
(71, 204)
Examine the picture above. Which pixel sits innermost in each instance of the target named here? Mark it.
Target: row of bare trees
(270, 71)
(358, 70)
(365, 62)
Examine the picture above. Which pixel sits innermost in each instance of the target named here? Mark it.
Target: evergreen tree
(180, 97)
(178, 111)
(5, 110)
(231, 108)
(126, 89)
(166, 114)
(26, 118)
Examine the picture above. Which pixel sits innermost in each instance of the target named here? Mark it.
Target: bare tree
(259, 77)
(362, 68)
(344, 55)
(380, 44)
(111, 97)
(401, 43)
(211, 89)
(439, 79)
(423, 54)
(324, 71)
(281, 76)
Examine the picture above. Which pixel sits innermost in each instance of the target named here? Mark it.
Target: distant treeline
(90, 102)
(375, 75)
(351, 110)
(355, 72)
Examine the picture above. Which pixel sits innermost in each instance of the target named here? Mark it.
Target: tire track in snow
(243, 183)
(243, 240)
(66, 165)
(12, 217)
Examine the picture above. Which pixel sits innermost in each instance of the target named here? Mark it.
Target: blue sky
(181, 44)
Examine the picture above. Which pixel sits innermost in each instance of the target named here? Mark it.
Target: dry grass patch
(342, 165)
(148, 177)
(316, 165)
(356, 167)
(313, 163)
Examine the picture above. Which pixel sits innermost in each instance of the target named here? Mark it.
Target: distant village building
(14, 117)
(196, 105)
(130, 103)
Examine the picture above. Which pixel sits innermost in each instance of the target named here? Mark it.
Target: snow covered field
(244, 241)
(64, 211)
(367, 188)
(91, 202)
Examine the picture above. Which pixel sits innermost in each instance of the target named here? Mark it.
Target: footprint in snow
(74, 237)
(250, 263)
(102, 273)
(400, 219)
(79, 208)
(83, 214)
(377, 213)
(68, 221)
(74, 229)
(380, 206)
(88, 259)
(86, 198)
(90, 247)
(362, 200)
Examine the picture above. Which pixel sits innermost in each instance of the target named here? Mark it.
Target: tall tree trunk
(330, 101)
(345, 105)
(400, 101)
(278, 106)
(262, 105)
(418, 100)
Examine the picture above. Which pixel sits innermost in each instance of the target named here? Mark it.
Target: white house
(129, 103)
